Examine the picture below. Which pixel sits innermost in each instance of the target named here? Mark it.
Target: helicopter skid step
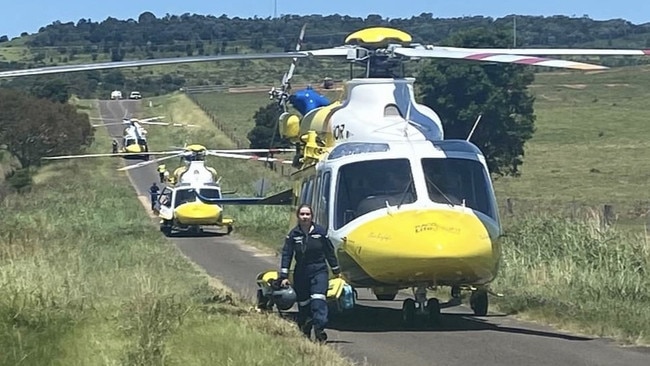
(195, 229)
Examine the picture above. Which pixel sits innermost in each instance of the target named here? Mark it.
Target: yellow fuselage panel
(135, 148)
(319, 120)
(424, 246)
(197, 213)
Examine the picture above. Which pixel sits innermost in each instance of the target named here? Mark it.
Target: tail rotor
(282, 94)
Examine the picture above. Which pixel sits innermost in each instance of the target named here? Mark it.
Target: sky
(29, 15)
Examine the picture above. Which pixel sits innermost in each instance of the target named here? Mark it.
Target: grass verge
(86, 279)
(578, 275)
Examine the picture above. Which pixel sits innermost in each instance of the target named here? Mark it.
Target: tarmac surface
(375, 335)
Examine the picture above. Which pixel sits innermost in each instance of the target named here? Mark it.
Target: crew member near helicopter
(114, 144)
(153, 193)
(161, 172)
(312, 249)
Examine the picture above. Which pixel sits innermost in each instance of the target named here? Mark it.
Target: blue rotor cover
(308, 99)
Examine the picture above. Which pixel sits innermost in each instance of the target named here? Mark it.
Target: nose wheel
(421, 307)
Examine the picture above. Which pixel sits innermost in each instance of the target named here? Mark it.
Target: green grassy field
(589, 148)
(559, 264)
(87, 279)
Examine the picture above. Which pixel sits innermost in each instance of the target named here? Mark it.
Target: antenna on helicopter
(474, 127)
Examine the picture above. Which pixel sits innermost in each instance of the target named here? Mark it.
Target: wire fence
(191, 92)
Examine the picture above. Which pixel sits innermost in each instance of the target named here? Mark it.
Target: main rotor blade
(549, 51)
(148, 162)
(331, 52)
(248, 151)
(150, 62)
(292, 68)
(497, 57)
(87, 156)
(248, 157)
(171, 124)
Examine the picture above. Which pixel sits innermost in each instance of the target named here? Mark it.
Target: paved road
(375, 334)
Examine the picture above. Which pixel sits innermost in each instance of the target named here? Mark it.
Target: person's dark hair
(303, 206)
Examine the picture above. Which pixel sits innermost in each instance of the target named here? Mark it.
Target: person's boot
(320, 335)
(305, 327)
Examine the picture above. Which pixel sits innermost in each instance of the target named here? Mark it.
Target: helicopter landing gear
(420, 306)
(478, 301)
(166, 227)
(195, 230)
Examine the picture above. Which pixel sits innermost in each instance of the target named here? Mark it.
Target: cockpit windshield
(184, 196)
(128, 142)
(196, 156)
(366, 186)
(210, 193)
(457, 181)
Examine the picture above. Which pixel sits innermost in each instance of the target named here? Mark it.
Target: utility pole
(275, 9)
(514, 31)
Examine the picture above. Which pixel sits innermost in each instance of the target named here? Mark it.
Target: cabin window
(210, 193)
(307, 187)
(323, 204)
(366, 186)
(315, 201)
(457, 181)
(184, 196)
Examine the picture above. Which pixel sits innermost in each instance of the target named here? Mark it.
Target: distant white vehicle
(116, 94)
(135, 95)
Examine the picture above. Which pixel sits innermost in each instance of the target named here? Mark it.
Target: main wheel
(408, 311)
(166, 229)
(478, 301)
(433, 311)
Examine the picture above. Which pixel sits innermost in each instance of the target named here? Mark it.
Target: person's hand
(284, 282)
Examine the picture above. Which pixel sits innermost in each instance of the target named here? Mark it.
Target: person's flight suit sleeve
(287, 255)
(328, 248)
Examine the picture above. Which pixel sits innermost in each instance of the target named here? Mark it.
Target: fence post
(608, 215)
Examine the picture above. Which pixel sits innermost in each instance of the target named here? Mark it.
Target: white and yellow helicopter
(178, 206)
(404, 207)
(134, 139)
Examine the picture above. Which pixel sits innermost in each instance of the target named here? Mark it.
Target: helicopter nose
(431, 245)
(197, 213)
(133, 148)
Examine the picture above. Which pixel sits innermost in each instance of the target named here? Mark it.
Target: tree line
(208, 33)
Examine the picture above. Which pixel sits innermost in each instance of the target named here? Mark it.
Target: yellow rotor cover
(378, 36)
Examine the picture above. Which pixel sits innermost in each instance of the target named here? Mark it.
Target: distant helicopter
(134, 140)
(404, 207)
(178, 206)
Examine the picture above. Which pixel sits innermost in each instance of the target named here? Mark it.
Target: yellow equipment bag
(339, 292)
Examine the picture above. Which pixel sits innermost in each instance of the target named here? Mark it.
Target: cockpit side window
(210, 193)
(366, 186)
(459, 181)
(165, 198)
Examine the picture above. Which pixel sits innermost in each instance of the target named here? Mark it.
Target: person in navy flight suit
(153, 193)
(313, 251)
